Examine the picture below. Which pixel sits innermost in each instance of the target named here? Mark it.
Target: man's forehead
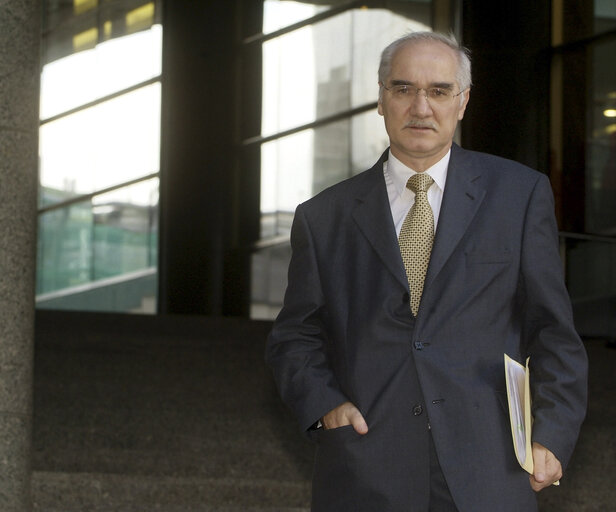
(442, 59)
(425, 47)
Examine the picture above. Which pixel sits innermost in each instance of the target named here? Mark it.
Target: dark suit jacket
(494, 285)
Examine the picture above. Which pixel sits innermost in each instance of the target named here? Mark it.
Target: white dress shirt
(401, 199)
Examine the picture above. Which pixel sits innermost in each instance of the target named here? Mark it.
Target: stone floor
(182, 415)
(588, 484)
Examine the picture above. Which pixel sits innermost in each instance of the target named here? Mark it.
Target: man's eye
(402, 90)
(437, 92)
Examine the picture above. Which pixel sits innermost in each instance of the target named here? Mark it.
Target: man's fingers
(358, 422)
(345, 414)
(539, 454)
(547, 468)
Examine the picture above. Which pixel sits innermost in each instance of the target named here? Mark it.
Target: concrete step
(98, 492)
(187, 398)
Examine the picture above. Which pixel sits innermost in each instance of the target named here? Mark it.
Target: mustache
(414, 123)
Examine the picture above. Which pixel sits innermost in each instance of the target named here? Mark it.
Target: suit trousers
(440, 497)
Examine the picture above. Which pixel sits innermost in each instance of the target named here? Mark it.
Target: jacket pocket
(488, 257)
(336, 435)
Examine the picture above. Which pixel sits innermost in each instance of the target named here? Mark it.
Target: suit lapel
(372, 214)
(461, 200)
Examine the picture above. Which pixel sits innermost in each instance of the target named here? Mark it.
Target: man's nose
(420, 106)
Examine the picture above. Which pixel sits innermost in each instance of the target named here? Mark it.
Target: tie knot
(420, 182)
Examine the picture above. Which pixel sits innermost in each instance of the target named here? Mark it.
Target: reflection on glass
(305, 80)
(81, 6)
(369, 140)
(125, 229)
(601, 151)
(115, 234)
(105, 145)
(310, 74)
(111, 66)
(591, 280)
(64, 248)
(282, 13)
(289, 90)
(140, 18)
(100, 252)
(269, 280)
(296, 167)
(605, 15)
(286, 171)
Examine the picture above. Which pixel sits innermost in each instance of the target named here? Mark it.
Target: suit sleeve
(558, 361)
(297, 347)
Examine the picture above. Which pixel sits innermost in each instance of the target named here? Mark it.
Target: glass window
(586, 18)
(591, 281)
(304, 80)
(278, 14)
(125, 234)
(605, 15)
(583, 135)
(269, 280)
(82, 245)
(89, 75)
(322, 70)
(601, 141)
(105, 145)
(296, 167)
(99, 155)
(64, 248)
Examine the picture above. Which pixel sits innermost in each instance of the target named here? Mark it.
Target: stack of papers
(520, 414)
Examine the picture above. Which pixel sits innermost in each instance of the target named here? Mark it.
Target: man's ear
(380, 102)
(462, 109)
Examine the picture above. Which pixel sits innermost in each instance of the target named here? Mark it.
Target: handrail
(588, 237)
(87, 197)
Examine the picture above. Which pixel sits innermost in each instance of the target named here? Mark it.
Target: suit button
(405, 297)
(417, 410)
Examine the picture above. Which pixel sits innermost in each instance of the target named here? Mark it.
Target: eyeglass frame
(425, 89)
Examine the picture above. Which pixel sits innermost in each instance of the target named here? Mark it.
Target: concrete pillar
(197, 152)
(19, 100)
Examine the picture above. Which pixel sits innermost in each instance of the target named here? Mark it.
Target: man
(397, 372)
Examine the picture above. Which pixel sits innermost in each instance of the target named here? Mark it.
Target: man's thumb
(359, 424)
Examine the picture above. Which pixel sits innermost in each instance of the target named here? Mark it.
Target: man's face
(421, 130)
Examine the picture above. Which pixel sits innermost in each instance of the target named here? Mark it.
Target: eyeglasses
(408, 92)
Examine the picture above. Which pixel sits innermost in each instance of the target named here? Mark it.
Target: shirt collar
(400, 173)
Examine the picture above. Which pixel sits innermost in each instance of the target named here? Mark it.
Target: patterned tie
(416, 237)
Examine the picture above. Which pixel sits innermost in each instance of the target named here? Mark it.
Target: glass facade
(101, 146)
(306, 119)
(584, 150)
(99, 156)
(319, 123)
(600, 210)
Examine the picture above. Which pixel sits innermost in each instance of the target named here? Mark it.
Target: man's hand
(547, 468)
(345, 414)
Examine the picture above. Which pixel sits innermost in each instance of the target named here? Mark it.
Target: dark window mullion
(87, 197)
(334, 11)
(347, 114)
(98, 101)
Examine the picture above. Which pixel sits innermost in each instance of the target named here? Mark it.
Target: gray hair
(463, 74)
